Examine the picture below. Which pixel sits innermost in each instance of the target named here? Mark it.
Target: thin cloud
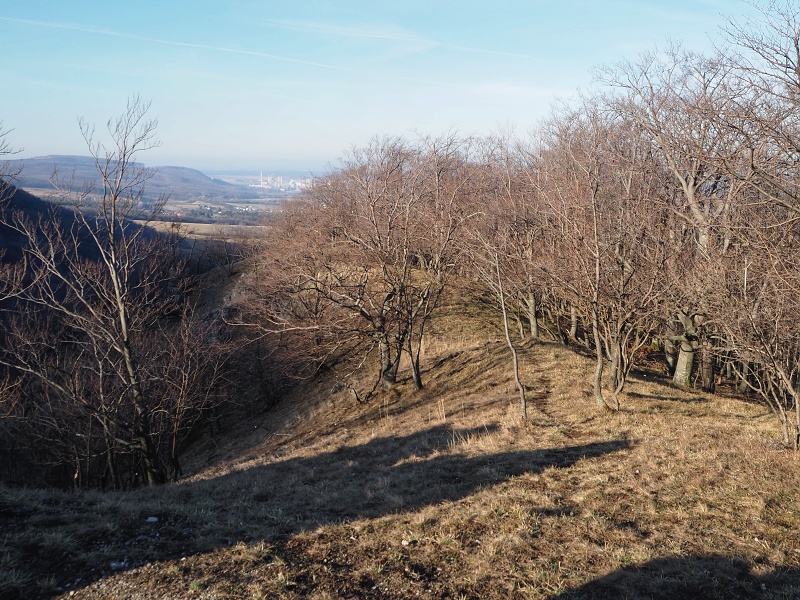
(110, 33)
(370, 32)
(381, 33)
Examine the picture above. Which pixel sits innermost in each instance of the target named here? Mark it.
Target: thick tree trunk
(688, 347)
(684, 366)
(670, 356)
(534, 321)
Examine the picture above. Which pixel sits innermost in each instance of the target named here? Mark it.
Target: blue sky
(294, 84)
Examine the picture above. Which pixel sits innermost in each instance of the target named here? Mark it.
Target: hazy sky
(295, 83)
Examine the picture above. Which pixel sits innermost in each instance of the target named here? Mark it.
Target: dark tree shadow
(689, 578)
(273, 501)
(393, 474)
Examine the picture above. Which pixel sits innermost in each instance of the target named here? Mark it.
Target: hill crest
(178, 182)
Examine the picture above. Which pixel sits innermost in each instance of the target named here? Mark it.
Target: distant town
(277, 182)
(281, 182)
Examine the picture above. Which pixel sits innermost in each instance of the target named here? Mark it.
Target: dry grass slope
(442, 493)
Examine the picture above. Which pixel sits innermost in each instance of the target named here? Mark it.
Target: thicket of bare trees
(358, 265)
(661, 214)
(109, 367)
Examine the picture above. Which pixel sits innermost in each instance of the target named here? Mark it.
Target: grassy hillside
(441, 493)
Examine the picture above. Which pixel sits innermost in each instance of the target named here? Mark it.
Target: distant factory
(276, 182)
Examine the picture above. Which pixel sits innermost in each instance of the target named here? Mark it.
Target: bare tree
(608, 252)
(767, 64)
(96, 286)
(487, 244)
(375, 245)
(8, 172)
(676, 98)
(757, 301)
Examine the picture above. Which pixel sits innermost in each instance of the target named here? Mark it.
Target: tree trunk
(175, 470)
(707, 367)
(514, 358)
(683, 368)
(416, 374)
(573, 323)
(414, 352)
(532, 316)
(388, 370)
(111, 460)
(742, 386)
(154, 474)
(615, 364)
(688, 346)
(670, 356)
(598, 371)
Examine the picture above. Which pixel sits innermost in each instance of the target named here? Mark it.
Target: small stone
(152, 519)
(405, 542)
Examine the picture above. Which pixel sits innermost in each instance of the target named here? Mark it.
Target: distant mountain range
(178, 182)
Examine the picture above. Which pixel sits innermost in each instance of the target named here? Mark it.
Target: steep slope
(18, 201)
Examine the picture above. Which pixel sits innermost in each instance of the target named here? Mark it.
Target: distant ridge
(182, 182)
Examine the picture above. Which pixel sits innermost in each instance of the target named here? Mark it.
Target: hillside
(441, 493)
(20, 201)
(178, 182)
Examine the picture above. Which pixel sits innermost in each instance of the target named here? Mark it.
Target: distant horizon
(232, 170)
(271, 170)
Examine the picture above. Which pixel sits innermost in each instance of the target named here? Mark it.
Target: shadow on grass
(392, 474)
(683, 399)
(90, 536)
(690, 578)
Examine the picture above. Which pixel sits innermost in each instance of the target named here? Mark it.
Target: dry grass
(442, 493)
(206, 231)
